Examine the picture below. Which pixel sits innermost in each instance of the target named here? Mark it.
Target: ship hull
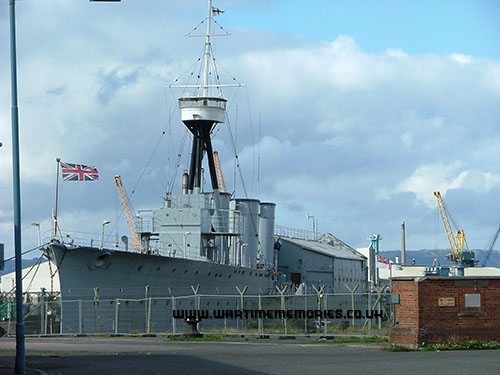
(86, 273)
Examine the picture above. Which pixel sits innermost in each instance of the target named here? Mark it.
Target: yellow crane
(129, 214)
(460, 251)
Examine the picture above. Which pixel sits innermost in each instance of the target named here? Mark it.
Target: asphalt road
(73, 356)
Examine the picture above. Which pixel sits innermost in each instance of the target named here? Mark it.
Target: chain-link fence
(319, 313)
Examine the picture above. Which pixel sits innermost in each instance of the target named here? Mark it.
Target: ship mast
(207, 49)
(201, 113)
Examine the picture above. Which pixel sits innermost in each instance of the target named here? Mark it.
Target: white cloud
(462, 59)
(443, 177)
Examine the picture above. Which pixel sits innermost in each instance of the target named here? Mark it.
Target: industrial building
(35, 278)
(326, 261)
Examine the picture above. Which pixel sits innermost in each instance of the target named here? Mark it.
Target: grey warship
(210, 239)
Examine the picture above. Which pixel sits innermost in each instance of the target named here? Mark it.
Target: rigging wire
(37, 263)
(236, 158)
(129, 196)
(25, 252)
(252, 136)
(196, 27)
(193, 67)
(220, 26)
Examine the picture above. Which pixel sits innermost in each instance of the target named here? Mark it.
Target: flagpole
(58, 160)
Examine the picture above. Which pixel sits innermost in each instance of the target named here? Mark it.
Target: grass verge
(469, 345)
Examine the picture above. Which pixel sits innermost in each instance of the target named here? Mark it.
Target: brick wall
(433, 309)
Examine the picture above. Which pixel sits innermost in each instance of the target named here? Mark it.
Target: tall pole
(403, 244)
(20, 348)
(58, 161)
(207, 50)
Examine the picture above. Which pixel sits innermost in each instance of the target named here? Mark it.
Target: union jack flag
(79, 172)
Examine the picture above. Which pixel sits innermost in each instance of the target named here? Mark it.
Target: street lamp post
(20, 367)
(104, 223)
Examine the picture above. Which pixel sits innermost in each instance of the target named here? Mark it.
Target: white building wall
(37, 279)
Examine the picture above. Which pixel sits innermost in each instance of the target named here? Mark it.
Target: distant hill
(426, 257)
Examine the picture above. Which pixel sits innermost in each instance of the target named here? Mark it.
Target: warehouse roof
(327, 244)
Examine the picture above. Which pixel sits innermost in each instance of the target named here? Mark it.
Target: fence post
(370, 310)
(173, 318)
(352, 299)
(259, 318)
(61, 318)
(117, 303)
(282, 293)
(9, 314)
(196, 303)
(305, 317)
(319, 293)
(148, 330)
(147, 300)
(41, 306)
(242, 293)
(46, 312)
(80, 323)
(379, 297)
(96, 308)
(377, 303)
(325, 307)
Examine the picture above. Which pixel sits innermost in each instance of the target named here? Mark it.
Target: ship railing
(189, 102)
(74, 238)
(303, 234)
(144, 221)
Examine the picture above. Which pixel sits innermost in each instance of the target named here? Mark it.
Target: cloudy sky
(353, 112)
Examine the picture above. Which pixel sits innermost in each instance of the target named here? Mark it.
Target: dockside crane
(129, 214)
(460, 252)
(490, 247)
